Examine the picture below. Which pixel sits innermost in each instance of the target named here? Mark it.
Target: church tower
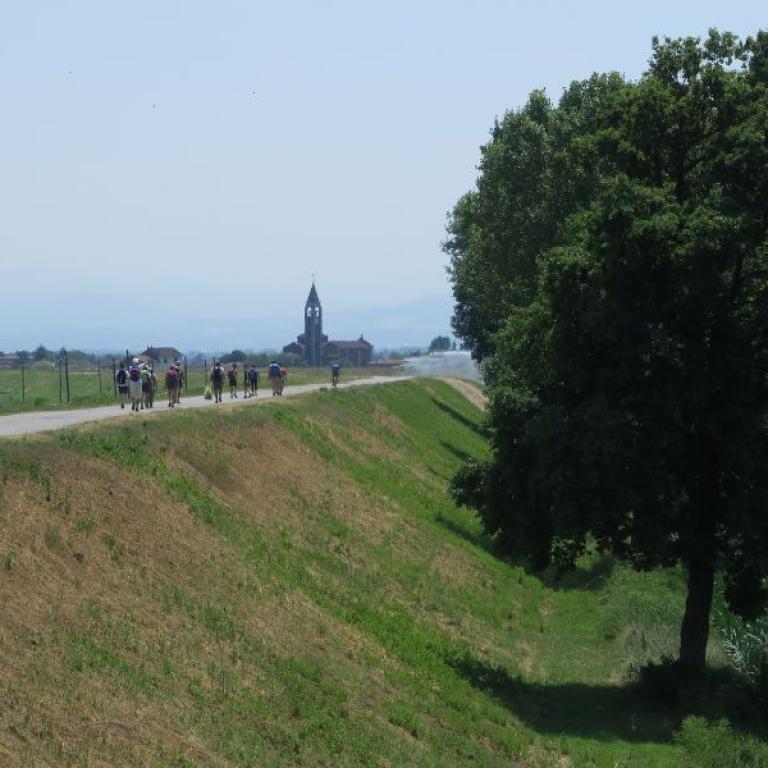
(313, 328)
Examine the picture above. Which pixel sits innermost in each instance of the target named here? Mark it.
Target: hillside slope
(290, 584)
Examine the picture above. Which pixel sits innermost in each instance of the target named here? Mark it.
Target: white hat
(135, 359)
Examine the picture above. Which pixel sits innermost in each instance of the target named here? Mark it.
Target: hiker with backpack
(253, 380)
(217, 381)
(245, 380)
(121, 377)
(232, 377)
(275, 378)
(146, 387)
(172, 384)
(134, 385)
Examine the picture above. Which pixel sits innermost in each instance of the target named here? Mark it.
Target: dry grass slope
(291, 585)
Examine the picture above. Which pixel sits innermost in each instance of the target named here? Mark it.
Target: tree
(41, 353)
(627, 362)
(440, 344)
(235, 356)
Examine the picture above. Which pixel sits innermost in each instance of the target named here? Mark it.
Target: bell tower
(313, 328)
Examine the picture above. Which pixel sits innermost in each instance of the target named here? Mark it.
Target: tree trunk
(694, 633)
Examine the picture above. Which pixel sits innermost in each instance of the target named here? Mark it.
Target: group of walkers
(138, 382)
(250, 381)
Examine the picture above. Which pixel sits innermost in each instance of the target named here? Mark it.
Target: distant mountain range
(116, 322)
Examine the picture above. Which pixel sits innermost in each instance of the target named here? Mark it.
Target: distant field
(87, 388)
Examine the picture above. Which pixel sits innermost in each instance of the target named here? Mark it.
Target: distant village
(312, 348)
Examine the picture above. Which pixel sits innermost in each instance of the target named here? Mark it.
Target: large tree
(611, 270)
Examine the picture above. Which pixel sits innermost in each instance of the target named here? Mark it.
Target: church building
(314, 347)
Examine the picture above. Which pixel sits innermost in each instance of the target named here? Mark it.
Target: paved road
(46, 421)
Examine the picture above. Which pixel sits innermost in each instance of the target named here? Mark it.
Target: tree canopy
(440, 344)
(610, 269)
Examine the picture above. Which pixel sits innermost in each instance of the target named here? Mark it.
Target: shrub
(717, 746)
(746, 645)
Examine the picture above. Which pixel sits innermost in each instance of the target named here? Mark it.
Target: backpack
(134, 374)
(274, 369)
(217, 375)
(122, 377)
(171, 377)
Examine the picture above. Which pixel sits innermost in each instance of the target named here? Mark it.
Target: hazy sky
(176, 172)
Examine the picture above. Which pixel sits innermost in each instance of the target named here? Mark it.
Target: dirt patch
(473, 393)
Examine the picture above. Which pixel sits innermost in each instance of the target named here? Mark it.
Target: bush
(746, 645)
(717, 746)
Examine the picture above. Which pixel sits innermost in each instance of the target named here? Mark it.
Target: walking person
(232, 376)
(274, 377)
(217, 381)
(180, 371)
(253, 380)
(283, 377)
(134, 385)
(172, 384)
(146, 385)
(245, 381)
(152, 386)
(121, 377)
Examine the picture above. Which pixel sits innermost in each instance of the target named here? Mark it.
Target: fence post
(23, 383)
(186, 375)
(61, 381)
(99, 367)
(66, 372)
(114, 378)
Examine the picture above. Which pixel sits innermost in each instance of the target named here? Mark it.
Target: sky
(177, 171)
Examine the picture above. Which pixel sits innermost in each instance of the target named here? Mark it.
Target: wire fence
(66, 380)
(27, 384)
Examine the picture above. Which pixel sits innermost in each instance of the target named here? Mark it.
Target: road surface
(46, 421)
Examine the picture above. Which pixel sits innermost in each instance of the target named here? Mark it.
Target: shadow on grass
(460, 417)
(481, 540)
(456, 451)
(592, 576)
(589, 577)
(605, 712)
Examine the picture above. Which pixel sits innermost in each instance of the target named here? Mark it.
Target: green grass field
(42, 385)
(289, 584)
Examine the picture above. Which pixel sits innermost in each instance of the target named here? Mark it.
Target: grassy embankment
(289, 584)
(42, 385)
